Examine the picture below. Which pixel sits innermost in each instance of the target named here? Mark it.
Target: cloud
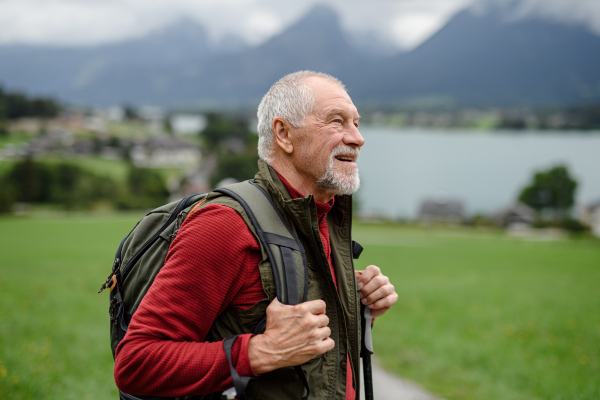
(580, 12)
(76, 22)
(72, 23)
(410, 29)
(262, 24)
(405, 23)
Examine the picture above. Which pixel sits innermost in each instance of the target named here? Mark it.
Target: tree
(130, 112)
(238, 166)
(233, 144)
(552, 190)
(32, 181)
(44, 108)
(3, 122)
(18, 105)
(7, 196)
(167, 126)
(220, 129)
(145, 189)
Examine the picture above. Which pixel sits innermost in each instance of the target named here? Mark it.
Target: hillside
(476, 59)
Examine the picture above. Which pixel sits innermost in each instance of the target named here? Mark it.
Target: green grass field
(13, 140)
(117, 170)
(480, 315)
(53, 325)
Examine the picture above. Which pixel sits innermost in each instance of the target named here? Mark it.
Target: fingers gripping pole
(366, 350)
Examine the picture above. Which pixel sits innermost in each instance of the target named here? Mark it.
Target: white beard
(340, 180)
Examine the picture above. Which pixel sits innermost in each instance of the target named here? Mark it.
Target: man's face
(326, 148)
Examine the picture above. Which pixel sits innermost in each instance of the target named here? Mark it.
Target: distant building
(516, 216)
(591, 217)
(187, 124)
(95, 123)
(441, 211)
(151, 113)
(192, 182)
(153, 118)
(165, 151)
(115, 114)
(55, 141)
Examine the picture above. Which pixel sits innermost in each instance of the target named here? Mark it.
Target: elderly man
(215, 275)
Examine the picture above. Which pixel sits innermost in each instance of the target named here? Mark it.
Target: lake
(399, 168)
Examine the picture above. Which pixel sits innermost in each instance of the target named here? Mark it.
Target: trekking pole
(367, 349)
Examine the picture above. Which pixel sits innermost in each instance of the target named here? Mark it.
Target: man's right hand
(294, 335)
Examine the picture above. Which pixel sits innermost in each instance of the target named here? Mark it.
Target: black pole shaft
(368, 373)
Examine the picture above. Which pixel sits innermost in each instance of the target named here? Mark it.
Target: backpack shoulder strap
(285, 252)
(286, 255)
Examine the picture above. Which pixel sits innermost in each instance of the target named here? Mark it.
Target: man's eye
(339, 121)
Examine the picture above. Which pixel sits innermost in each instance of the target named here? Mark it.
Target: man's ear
(281, 129)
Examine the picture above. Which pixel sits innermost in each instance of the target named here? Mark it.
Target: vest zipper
(356, 321)
(335, 292)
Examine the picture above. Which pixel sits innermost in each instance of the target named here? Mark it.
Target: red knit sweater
(211, 265)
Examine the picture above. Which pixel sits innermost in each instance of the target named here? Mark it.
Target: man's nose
(353, 137)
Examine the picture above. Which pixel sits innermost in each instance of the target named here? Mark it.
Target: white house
(516, 216)
(441, 211)
(187, 124)
(591, 217)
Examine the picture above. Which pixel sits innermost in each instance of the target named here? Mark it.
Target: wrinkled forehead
(328, 94)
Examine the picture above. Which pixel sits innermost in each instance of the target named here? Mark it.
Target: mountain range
(477, 59)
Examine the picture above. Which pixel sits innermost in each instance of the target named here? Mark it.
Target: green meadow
(480, 315)
(483, 316)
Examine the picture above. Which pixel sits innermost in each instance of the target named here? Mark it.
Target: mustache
(346, 150)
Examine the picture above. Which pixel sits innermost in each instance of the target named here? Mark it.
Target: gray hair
(290, 98)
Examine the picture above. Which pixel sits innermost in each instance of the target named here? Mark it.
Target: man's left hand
(376, 291)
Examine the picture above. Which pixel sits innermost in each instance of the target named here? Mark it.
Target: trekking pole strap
(239, 382)
(302, 375)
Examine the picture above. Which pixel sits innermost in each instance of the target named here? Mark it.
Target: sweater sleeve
(211, 264)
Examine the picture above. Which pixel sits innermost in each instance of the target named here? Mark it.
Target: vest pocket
(315, 289)
(233, 321)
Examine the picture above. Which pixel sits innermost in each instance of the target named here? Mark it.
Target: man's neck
(300, 182)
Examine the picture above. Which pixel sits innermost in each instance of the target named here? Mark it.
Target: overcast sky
(405, 23)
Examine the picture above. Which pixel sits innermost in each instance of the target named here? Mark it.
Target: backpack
(141, 255)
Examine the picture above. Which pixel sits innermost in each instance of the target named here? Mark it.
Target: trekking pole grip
(366, 350)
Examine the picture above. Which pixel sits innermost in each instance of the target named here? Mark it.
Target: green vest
(326, 373)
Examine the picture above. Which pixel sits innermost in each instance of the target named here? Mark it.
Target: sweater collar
(322, 208)
(296, 208)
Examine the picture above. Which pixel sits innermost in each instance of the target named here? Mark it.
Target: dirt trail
(391, 387)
